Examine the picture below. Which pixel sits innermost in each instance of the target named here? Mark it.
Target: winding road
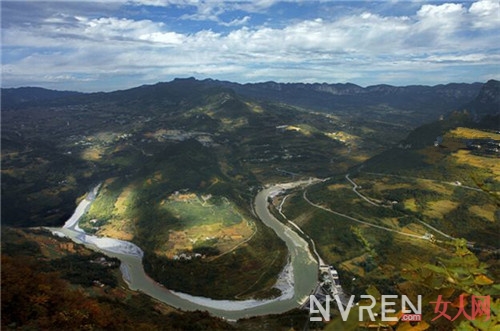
(355, 190)
(304, 195)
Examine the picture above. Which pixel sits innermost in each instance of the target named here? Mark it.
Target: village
(328, 286)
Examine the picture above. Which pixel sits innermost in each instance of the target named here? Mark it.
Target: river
(301, 273)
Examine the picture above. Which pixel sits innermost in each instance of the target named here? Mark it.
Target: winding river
(297, 281)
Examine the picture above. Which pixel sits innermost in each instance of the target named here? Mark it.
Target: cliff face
(487, 102)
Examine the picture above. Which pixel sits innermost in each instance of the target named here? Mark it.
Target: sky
(108, 45)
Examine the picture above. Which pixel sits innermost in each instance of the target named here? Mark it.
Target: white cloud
(212, 10)
(237, 22)
(486, 14)
(439, 22)
(250, 6)
(485, 8)
(115, 28)
(165, 3)
(470, 58)
(166, 38)
(444, 11)
(255, 6)
(359, 46)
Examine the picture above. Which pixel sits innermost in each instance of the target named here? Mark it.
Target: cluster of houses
(329, 286)
(187, 256)
(90, 141)
(103, 262)
(97, 283)
(330, 279)
(203, 138)
(94, 223)
(489, 146)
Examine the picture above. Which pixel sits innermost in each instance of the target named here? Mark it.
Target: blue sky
(108, 45)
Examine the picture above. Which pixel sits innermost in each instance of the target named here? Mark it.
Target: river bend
(297, 281)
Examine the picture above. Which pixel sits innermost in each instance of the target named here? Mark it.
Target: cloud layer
(106, 46)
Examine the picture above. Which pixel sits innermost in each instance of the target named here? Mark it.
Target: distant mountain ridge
(428, 101)
(12, 97)
(352, 89)
(415, 104)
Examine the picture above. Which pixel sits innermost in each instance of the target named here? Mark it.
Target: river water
(302, 266)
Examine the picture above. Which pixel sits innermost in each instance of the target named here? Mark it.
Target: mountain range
(180, 163)
(420, 104)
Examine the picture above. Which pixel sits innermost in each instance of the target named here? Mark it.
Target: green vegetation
(445, 284)
(248, 271)
(460, 275)
(180, 165)
(148, 144)
(439, 199)
(38, 294)
(195, 211)
(85, 271)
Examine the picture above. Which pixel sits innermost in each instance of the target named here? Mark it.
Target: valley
(181, 163)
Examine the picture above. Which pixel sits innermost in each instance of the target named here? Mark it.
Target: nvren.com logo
(410, 312)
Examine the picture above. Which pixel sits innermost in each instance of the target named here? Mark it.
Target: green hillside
(180, 164)
(410, 207)
(166, 154)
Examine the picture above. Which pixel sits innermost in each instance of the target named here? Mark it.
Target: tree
(457, 281)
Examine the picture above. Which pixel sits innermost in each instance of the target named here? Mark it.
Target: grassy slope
(422, 181)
